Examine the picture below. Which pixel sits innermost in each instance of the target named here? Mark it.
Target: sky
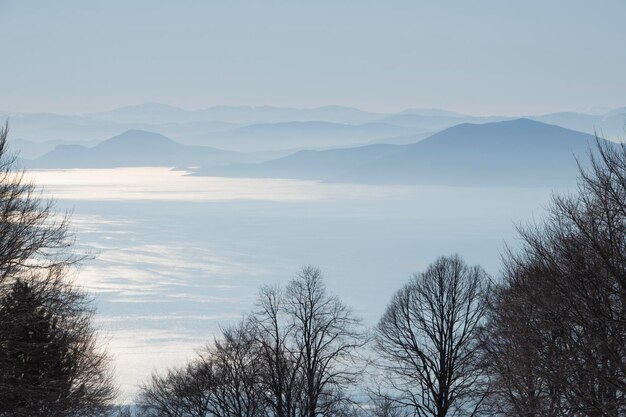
(477, 57)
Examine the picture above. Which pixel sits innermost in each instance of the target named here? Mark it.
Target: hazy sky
(480, 57)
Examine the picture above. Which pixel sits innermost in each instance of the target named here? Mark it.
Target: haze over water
(177, 256)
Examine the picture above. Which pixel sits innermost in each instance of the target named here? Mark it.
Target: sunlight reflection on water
(171, 185)
(180, 255)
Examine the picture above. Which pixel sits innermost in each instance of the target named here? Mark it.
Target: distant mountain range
(32, 150)
(437, 120)
(163, 113)
(299, 135)
(515, 152)
(135, 148)
(244, 128)
(511, 152)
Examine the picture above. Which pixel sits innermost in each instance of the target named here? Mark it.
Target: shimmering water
(179, 255)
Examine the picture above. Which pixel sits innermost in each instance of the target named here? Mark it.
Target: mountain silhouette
(516, 152)
(299, 135)
(136, 148)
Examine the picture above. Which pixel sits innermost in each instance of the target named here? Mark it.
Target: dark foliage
(50, 361)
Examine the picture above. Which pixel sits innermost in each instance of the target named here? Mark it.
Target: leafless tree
(237, 391)
(294, 357)
(307, 341)
(326, 338)
(382, 405)
(518, 350)
(32, 235)
(51, 363)
(278, 361)
(220, 382)
(428, 338)
(181, 392)
(569, 277)
(124, 411)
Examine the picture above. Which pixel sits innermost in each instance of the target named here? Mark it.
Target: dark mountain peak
(521, 131)
(512, 152)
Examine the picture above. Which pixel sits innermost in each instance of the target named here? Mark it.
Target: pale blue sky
(480, 57)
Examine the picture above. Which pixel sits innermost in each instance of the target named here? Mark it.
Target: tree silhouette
(50, 361)
(428, 339)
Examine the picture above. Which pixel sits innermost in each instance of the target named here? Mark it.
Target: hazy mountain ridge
(213, 126)
(611, 125)
(517, 152)
(307, 164)
(137, 148)
(513, 152)
(299, 135)
(29, 150)
(163, 113)
(438, 121)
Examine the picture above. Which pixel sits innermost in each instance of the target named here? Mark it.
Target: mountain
(436, 120)
(516, 152)
(137, 148)
(620, 112)
(157, 113)
(31, 150)
(432, 112)
(269, 114)
(46, 127)
(223, 126)
(306, 164)
(147, 113)
(610, 125)
(42, 127)
(298, 135)
(189, 126)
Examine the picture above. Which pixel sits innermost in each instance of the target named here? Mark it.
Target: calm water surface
(178, 256)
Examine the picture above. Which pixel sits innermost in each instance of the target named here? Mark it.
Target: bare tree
(307, 342)
(124, 411)
(181, 392)
(32, 235)
(51, 363)
(382, 405)
(278, 361)
(326, 338)
(569, 277)
(428, 338)
(220, 382)
(294, 357)
(237, 391)
(518, 350)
